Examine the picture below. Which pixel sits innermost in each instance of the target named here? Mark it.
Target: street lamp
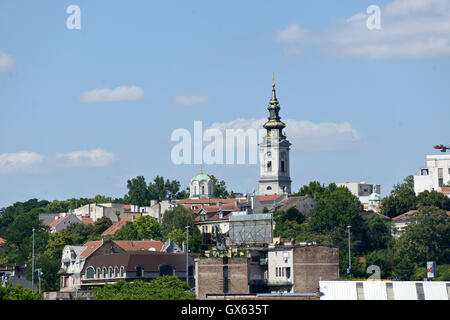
(187, 254)
(349, 253)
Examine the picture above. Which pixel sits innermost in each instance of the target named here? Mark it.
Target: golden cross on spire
(201, 169)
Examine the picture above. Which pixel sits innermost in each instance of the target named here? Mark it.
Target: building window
(166, 270)
(104, 272)
(288, 272)
(90, 273)
(139, 271)
(99, 272)
(122, 272)
(282, 166)
(269, 165)
(203, 189)
(116, 272)
(269, 188)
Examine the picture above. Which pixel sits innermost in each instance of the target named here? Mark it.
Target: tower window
(203, 189)
(282, 166)
(269, 188)
(269, 165)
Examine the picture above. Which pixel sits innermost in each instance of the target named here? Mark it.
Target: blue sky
(363, 105)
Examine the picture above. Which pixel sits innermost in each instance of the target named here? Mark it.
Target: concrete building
(304, 204)
(63, 221)
(274, 154)
(436, 174)
(362, 190)
(293, 269)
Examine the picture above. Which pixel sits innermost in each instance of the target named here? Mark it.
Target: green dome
(374, 197)
(201, 177)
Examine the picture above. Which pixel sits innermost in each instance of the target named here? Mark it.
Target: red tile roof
(87, 221)
(127, 207)
(116, 226)
(209, 201)
(91, 246)
(144, 245)
(269, 198)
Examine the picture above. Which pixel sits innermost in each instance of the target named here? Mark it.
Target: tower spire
(274, 122)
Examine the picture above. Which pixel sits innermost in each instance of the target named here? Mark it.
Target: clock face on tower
(269, 153)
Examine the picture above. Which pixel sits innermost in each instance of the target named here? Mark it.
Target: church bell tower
(274, 153)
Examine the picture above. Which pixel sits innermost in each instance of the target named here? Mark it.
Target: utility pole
(349, 252)
(187, 254)
(32, 267)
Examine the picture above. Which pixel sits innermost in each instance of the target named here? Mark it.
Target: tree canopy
(161, 288)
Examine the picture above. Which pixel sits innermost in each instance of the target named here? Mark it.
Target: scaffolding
(251, 229)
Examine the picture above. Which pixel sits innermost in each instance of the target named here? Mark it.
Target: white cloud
(19, 162)
(292, 33)
(307, 135)
(190, 99)
(6, 62)
(409, 29)
(120, 93)
(90, 158)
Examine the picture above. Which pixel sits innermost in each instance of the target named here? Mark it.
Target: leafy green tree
(56, 243)
(402, 199)
(426, 238)
(81, 233)
(127, 232)
(335, 207)
(219, 188)
(161, 288)
(101, 225)
(314, 189)
(177, 218)
(18, 293)
(138, 192)
(433, 198)
(178, 236)
(292, 214)
(148, 228)
(376, 234)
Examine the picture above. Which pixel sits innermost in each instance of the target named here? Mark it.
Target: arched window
(104, 272)
(203, 189)
(110, 272)
(99, 272)
(139, 271)
(269, 188)
(166, 270)
(122, 271)
(116, 272)
(269, 165)
(90, 273)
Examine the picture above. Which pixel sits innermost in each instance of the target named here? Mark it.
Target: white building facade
(436, 174)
